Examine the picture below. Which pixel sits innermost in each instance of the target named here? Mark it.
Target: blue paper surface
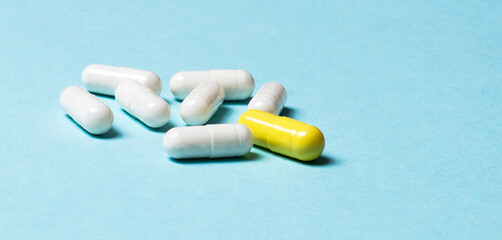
(407, 93)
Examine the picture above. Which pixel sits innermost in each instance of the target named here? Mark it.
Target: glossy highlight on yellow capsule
(284, 135)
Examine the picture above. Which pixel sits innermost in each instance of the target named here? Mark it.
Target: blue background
(407, 93)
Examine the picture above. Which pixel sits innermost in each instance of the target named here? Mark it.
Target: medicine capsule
(284, 135)
(104, 79)
(270, 98)
(86, 109)
(238, 84)
(209, 141)
(142, 103)
(201, 104)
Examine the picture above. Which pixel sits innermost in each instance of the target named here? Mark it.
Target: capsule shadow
(322, 160)
(237, 102)
(220, 116)
(162, 129)
(112, 133)
(250, 156)
(227, 102)
(170, 102)
(103, 95)
(288, 112)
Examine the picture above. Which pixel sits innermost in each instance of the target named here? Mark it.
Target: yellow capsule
(284, 135)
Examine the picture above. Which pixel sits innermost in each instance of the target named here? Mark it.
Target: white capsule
(201, 104)
(86, 109)
(142, 103)
(209, 141)
(104, 79)
(238, 84)
(270, 98)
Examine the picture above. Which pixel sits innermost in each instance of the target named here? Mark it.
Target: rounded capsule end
(263, 104)
(172, 143)
(98, 119)
(194, 112)
(87, 76)
(156, 113)
(308, 144)
(176, 86)
(246, 83)
(258, 122)
(153, 82)
(246, 136)
(68, 93)
(86, 70)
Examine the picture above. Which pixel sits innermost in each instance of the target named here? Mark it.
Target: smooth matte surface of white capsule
(86, 109)
(142, 103)
(209, 141)
(104, 79)
(201, 104)
(238, 84)
(270, 98)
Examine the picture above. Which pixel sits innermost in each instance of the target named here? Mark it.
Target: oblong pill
(270, 98)
(209, 141)
(86, 109)
(104, 79)
(238, 84)
(143, 104)
(201, 104)
(284, 135)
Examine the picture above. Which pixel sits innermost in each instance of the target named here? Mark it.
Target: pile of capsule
(202, 93)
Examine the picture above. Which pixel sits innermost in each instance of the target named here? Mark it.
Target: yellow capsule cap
(284, 135)
(308, 143)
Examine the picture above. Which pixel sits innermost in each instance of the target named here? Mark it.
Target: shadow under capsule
(220, 115)
(237, 102)
(322, 160)
(103, 95)
(288, 112)
(250, 156)
(170, 102)
(112, 133)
